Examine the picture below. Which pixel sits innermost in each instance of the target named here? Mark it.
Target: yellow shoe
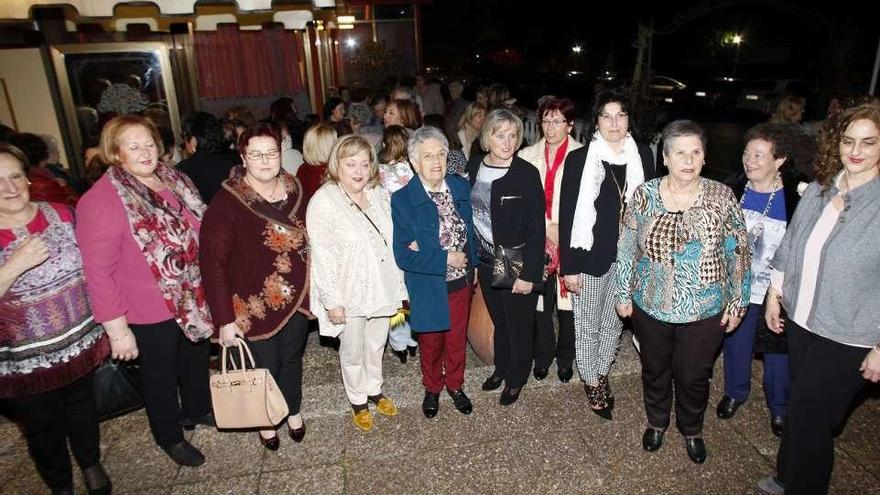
(363, 420)
(386, 407)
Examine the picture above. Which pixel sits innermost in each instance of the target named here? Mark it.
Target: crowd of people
(380, 219)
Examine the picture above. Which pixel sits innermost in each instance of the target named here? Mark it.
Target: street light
(576, 49)
(738, 41)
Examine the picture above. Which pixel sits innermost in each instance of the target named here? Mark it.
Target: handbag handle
(242, 349)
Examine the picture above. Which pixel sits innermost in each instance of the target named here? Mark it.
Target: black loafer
(508, 397)
(696, 449)
(564, 374)
(777, 425)
(541, 373)
(652, 439)
(400, 355)
(492, 383)
(462, 402)
(430, 404)
(185, 454)
(727, 407)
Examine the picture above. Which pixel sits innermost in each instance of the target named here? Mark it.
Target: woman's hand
(730, 322)
(572, 282)
(870, 367)
(30, 253)
(522, 287)
(624, 310)
(773, 315)
(336, 315)
(456, 259)
(228, 332)
(413, 246)
(123, 345)
(553, 233)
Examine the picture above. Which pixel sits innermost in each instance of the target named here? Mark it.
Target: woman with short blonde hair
(317, 144)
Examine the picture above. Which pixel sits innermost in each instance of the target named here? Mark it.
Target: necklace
(271, 196)
(756, 233)
(621, 194)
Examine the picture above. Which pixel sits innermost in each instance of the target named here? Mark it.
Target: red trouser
(446, 350)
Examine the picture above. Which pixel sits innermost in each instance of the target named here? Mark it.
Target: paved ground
(548, 442)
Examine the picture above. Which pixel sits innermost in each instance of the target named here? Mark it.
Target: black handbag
(507, 266)
(118, 388)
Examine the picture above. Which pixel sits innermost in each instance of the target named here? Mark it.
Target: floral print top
(453, 232)
(395, 175)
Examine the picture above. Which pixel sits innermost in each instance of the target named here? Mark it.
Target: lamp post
(736, 40)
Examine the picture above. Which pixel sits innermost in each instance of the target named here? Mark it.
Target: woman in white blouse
(356, 285)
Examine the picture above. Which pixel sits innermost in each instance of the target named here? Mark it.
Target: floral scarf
(170, 244)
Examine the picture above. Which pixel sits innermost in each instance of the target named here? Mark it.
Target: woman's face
(685, 157)
(859, 147)
(482, 98)
(14, 194)
(613, 123)
(338, 113)
(354, 172)
(478, 119)
(392, 115)
(262, 159)
(502, 142)
(758, 161)
(431, 162)
(555, 127)
(138, 153)
(379, 110)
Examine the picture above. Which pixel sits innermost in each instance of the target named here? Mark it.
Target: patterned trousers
(596, 326)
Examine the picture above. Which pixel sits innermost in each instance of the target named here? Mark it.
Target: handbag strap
(242, 349)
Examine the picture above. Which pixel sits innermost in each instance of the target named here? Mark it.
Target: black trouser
(282, 355)
(685, 353)
(513, 316)
(825, 379)
(168, 360)
(547, 346)
(50, 419)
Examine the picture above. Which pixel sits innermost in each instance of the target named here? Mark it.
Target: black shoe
(696, 449)
(492, 383)
(185, 454)
(412, 350)
(67, 490)
(777, 425)
(297, 434)
(461, 401)
(270, 443)
(564, 374)
(541, 373)
(430, 404)
(189, 424)
(727, 407)
(605, 412)
(97, 481)
(652, 439)
(508, 396)
(400, 355)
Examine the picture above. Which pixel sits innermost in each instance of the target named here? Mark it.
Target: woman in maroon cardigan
(255, 262)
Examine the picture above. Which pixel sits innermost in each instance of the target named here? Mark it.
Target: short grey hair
(495, 120)
(419, 137)
(679, 128)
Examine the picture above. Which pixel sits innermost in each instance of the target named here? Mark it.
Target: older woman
(48, 355)
(825, 276)
(434, 246)
(768, 196)
(138, 230)
(508, 205)
(683, 275)
(598, 180)
(317, 144)
(469, 126)
(403, 112)
(255, 262)
(356, 286)
(548, 156)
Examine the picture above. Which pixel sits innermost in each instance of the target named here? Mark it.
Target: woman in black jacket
(508, 203)
(597, 181)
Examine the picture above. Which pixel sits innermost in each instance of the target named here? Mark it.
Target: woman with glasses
(598, 180)
(255, 264)
(548, 156)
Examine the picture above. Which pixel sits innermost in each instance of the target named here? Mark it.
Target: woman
(434, 246)
(356, 287)
(404, 113)
(146, 289)
(548, 156)
(255, 259)
(768, 196)
(683, 275)
(46, 184)
(48, 355)
(210, 159)
(508, 205)
(825, 276)
(790, 110)
(317, 144)
(334, 114)
(469, 126)
(598, 180)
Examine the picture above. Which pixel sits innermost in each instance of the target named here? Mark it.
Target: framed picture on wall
(99, 81)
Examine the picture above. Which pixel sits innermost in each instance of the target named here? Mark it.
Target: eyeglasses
(554, 123)
(269, 155)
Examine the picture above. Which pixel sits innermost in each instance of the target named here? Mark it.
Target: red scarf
(550, 178)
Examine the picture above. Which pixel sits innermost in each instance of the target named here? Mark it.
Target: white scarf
(591, 182)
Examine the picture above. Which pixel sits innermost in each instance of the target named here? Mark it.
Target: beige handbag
(246, 398)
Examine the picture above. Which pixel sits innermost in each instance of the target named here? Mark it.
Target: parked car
(666, 90)
(718, 93)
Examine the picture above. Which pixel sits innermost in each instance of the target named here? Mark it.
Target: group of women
(585, 228)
